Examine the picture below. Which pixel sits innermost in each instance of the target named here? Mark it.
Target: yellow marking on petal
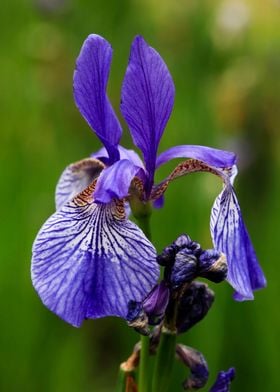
(137, 188)
(86, 196)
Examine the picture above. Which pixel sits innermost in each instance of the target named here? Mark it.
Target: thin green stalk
(164, 362)
(121, 381)
(143, 379)
(143, 383)
(144, 224)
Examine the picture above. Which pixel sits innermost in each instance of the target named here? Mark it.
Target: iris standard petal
(231, 237)
(75, 178)
(89, 261)
(147, 100)
(114, 181)
(90, 82)
(211, 156)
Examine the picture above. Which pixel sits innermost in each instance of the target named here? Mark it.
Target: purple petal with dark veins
(114, 181)
(147, 100)
(75, 178)
(223, 381)
(89, 261)
(211, 156)
(90, 82)
(228, 230)
(231, 237)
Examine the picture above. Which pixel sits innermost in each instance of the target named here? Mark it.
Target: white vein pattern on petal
(227, 230)
(88, 264)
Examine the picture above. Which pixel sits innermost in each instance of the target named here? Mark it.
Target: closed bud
(156, 303)
(185, 241)
(184, 269)
(193, 306)
(197, 364)
(213, 265)
(137, 318)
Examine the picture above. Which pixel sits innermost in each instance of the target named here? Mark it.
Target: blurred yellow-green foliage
(224, 56)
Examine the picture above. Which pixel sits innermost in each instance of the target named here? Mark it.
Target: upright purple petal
(90, 83)
(114, 181)
(89, 261)
(211, 156)
(231, 237)
(75, 178)
(147, 100)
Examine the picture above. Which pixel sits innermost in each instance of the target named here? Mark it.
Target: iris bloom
(89, 259)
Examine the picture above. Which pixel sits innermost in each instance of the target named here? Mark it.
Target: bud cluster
(179, 302)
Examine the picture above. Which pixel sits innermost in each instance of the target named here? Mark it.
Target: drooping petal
(147, 100)
(223, 381)
(231, 237)
(89, 261)
(211, 156)
(75, 178)
(114, 181)
(90, 82)
(228, 230)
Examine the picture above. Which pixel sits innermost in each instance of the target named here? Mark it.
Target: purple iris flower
(89, 260)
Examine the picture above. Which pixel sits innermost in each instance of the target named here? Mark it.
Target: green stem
(144, 224)
(143, 380)
(121, 381)
(143, 383)
(164, 362)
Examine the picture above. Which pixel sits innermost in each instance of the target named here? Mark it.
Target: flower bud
(184, 269)
(156, 303)
(182, 241)
(167, 257)
(137, 318)
(185, 241)
(193, 306)
(197, 364)
(213, 265)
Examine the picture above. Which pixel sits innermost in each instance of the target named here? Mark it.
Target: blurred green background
(225, 59)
